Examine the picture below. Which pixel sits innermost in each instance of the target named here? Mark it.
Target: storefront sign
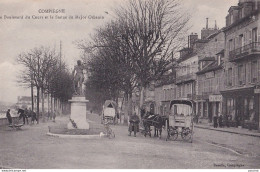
(257, 91)
(210, 75)
(215, 98)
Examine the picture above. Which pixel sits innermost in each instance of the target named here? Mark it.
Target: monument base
(78, 116)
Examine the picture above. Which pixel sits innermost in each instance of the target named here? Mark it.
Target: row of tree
(44, 70)
(136, 48)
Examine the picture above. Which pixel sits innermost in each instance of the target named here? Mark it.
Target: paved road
(32, 148)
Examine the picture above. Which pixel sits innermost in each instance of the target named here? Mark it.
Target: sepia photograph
(129, 84)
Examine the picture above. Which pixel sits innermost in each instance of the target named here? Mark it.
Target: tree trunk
(43, 115)
(126, 108)
(142, 96)
(55, 104)
(51, 107)
(48, 105)
(32, 98)
(38, 104)
(130, 105)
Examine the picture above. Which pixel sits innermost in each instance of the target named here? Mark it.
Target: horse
(25, 114)
(155, 120)
(22, 115)
(32, 115)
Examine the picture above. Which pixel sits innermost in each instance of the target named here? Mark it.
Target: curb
(75, 136)
(233, 132)
(223, 147)
(6, 167)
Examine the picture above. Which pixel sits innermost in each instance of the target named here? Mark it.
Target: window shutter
(245, 38)
(248, 75)
(245, 73)
(226, 78)
(249, 37)
(258, 69)
(235, 43)
(234, 75)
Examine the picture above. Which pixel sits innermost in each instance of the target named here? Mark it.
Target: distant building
(24, 102)
(205, 32)
(242, 64)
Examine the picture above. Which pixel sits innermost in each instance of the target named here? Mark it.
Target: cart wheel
(172, 134)
(191, 139)
(186, 134)
(112, 135)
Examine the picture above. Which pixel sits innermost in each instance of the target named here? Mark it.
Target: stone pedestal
(78, 113)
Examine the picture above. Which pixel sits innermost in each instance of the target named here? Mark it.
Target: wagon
(110, 111)
(181, 120)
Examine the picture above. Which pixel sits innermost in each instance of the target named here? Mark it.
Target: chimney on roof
(216, 24)
(192, 39)
(207, 23)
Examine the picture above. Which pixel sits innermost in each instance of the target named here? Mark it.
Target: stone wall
(4, 121)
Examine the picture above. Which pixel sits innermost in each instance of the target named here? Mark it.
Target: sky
(22, 35)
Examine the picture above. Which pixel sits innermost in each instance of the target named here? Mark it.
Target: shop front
(202, 108)
(241, 107)
(215, 106)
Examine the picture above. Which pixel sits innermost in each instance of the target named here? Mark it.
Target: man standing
(78, 78)
(8, 116)
(134, 124)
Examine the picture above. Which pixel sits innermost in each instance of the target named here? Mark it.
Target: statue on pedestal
(78, 79)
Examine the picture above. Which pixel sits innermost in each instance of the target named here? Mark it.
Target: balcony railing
(244, 51)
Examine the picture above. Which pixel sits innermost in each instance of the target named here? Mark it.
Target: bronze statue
(78, 79)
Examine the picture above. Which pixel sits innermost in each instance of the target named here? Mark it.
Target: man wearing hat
(8, 116)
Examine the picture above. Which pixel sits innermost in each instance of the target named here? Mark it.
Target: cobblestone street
(31, 148)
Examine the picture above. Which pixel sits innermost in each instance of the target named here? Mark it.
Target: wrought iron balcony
(248, 50)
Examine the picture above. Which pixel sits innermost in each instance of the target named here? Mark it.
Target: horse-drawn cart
(181, 120)
(110, 111)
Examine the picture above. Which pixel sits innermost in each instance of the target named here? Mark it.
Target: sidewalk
(233, 130)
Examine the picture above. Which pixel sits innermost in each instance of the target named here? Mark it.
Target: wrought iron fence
(252, 47)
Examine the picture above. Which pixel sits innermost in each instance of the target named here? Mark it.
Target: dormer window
(231, 18)
(219, 59)
(242, 12)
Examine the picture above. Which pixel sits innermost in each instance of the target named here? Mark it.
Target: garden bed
(66, 131)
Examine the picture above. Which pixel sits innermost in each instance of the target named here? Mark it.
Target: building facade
(163, 96)
(241, 100)
(186, 78)
(210, 82)
(210, 77)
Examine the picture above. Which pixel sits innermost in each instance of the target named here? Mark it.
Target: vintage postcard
(129, 84)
